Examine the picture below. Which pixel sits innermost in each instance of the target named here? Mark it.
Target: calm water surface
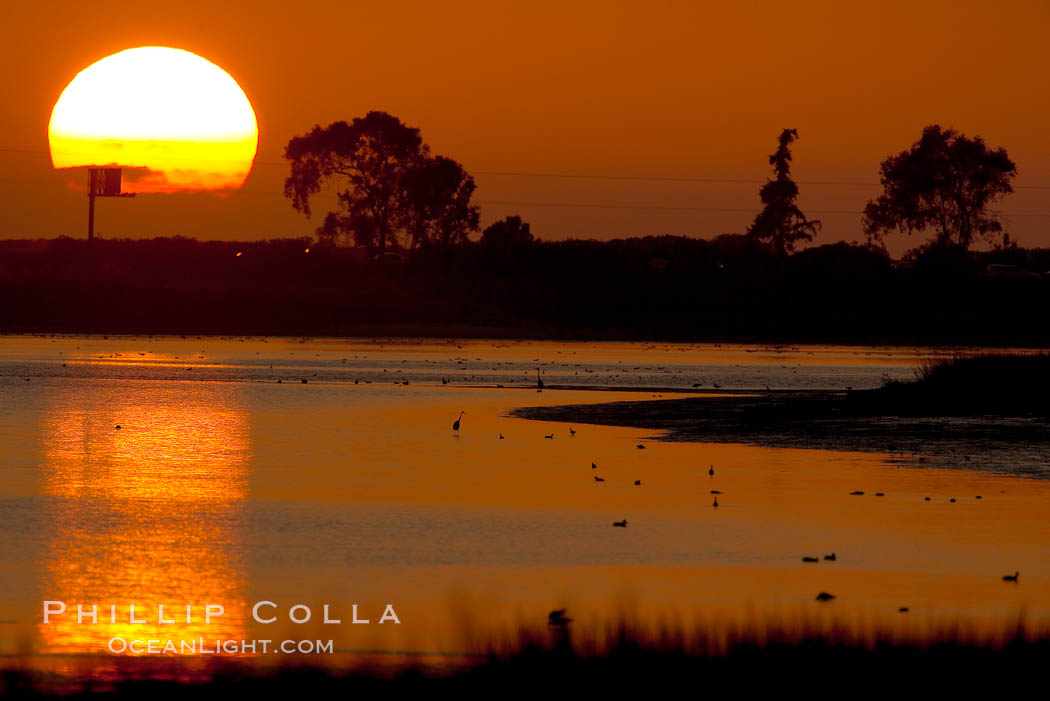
(224, 486)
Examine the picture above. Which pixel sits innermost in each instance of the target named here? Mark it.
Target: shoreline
(399, 333)
(825, 420)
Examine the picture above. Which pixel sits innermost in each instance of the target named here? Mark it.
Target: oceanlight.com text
(202, 646)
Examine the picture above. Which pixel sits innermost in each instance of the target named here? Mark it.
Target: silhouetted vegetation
(728, 288)
(945, 182)
(1003, 384)
(392, 191)
(781, 222)
(631, 665)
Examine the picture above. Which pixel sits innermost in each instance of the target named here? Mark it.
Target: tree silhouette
(439, 212)
(781, 222)
(507, 234)
(945, 181)
(372, 154)
(392, 187)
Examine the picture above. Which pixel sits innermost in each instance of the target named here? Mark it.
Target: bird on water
(456, 424)
(1011, 577)
(620, 524)
(824, 596)
(557, 618)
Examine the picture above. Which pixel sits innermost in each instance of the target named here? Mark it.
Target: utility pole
(102, 182)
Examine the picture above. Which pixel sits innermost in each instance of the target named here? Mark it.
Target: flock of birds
(557, 618)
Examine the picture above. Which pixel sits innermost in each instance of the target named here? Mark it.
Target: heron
(539, 380)
(456, 423)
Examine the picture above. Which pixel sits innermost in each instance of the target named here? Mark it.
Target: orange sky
(678, 89)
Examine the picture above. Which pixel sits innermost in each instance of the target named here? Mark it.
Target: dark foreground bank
(814, 665)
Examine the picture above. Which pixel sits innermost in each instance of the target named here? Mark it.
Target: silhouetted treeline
(728, 288)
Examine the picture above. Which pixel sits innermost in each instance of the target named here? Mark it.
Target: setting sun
(172, 119)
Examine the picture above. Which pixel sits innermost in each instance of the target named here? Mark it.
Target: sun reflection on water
(146, 514)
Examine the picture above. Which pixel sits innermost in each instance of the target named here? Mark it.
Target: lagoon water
(224, 486)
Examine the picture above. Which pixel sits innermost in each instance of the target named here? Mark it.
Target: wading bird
(716, 503)
(539, 380)
(456, 423)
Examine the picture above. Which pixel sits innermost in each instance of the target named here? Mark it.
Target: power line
(600, 205)
(592, 176)
(609, 176)
(751, 210)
